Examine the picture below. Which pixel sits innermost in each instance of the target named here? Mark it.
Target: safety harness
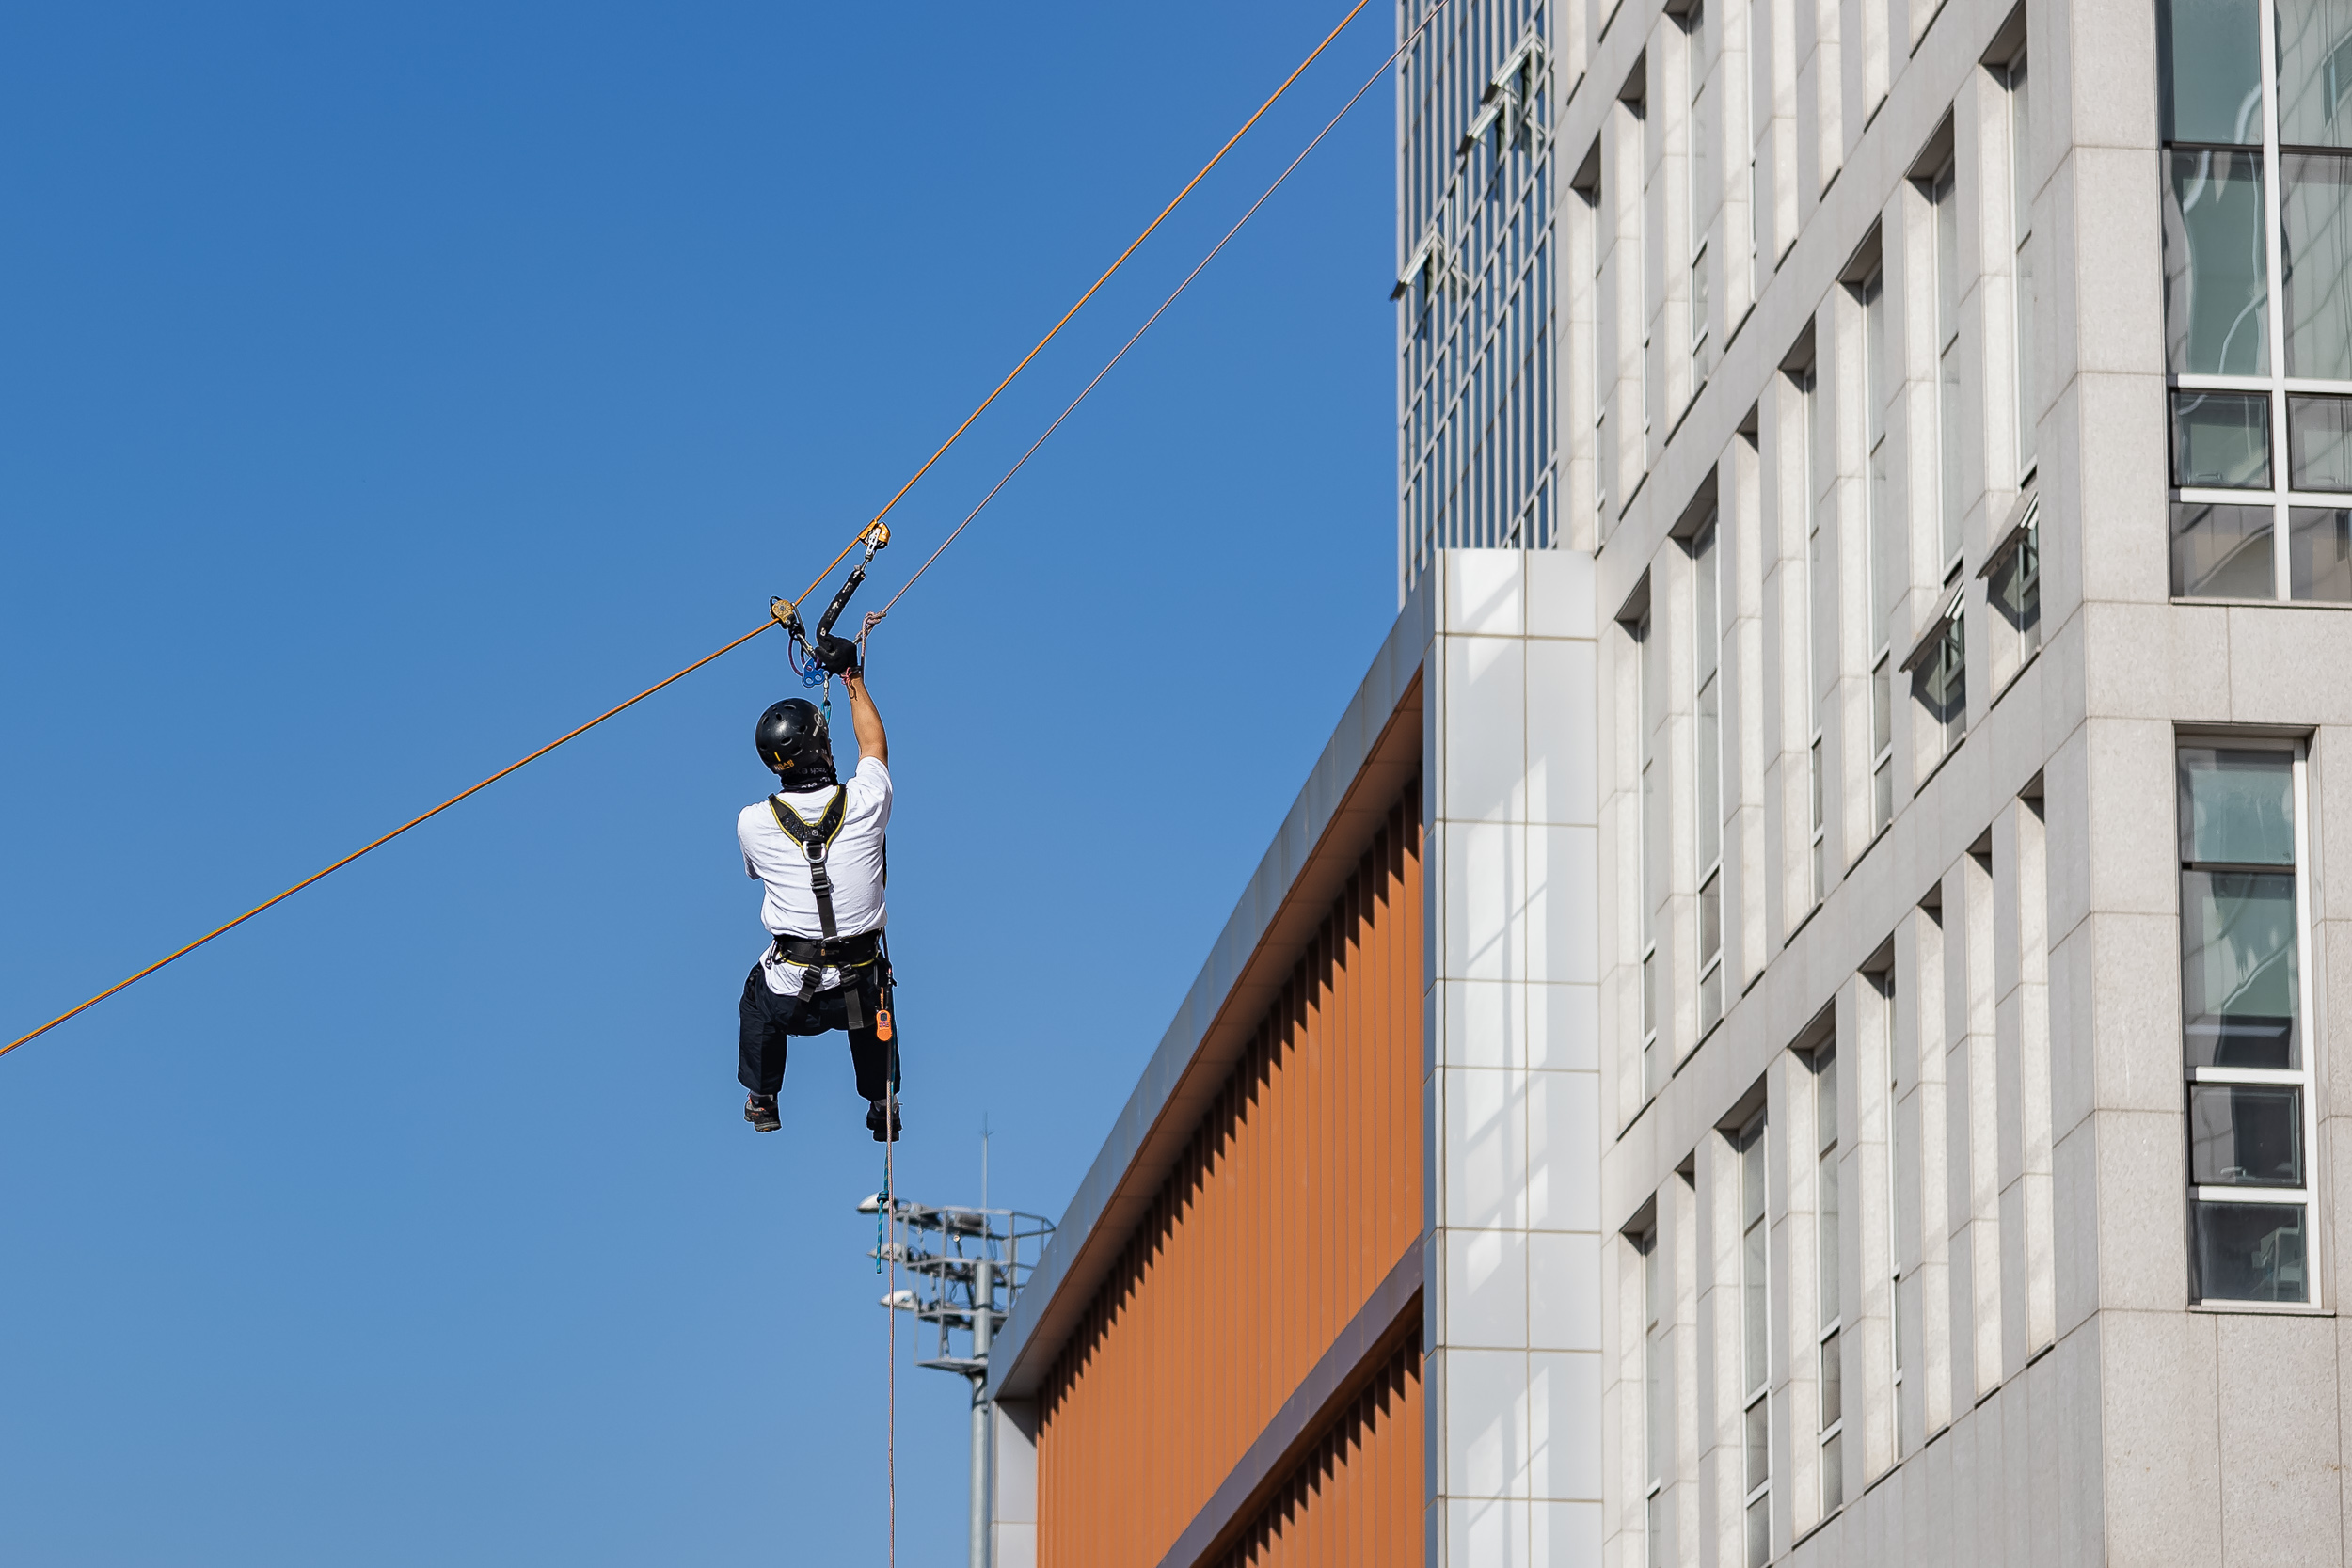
(814, 839)
(857, 951)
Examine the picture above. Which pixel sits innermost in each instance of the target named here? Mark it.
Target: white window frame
(1694, 23)
(2305, 1078)
(1657, 1368)
(1706, 672)
(2016, 81)
(1756, 1383)
(1882, 521)
(1649, 802)
(1828, 1341)
(1809, 389)
(1951, 485)
(1881, 984)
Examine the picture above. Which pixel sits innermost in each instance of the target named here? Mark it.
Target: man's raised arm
(865, 721)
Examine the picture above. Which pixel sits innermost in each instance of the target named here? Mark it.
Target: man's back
(854, 860)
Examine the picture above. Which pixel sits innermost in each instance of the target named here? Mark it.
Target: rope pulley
(821, 654)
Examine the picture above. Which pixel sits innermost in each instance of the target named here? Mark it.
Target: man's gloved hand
(838, 655)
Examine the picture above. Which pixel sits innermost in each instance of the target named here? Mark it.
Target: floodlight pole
(983, 1325)
(957, 1262)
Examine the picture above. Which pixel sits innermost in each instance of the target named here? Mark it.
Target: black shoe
(760, 1110)
(879, 1115)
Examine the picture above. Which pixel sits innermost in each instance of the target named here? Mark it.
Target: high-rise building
(1476, 183)
(1794, 1019)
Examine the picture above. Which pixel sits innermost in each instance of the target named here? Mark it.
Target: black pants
(769, 1021)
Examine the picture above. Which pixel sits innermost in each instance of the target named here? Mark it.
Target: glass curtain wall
(2245, 1006)
(1475, 328)
(2257, 303)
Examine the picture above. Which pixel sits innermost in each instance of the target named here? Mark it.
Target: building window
(1756, 1343)
(1825, 1209)
(1634, 252)
(1940, 680)
(1604, 372)
(1701, 170)
(1902, 1236)
(1821, 608)
(2015, 591)
(1759, 28)
(1947, 403)
(2245, 1004)
(2258, 322)
(1888, 565)
(2021, 232)
(1658, 1378)
(1707, 707)
(1654, 843)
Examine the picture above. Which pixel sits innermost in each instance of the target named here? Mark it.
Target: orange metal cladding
(1298, 1190)
(1354, 1501)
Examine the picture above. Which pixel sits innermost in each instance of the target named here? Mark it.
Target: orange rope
(378, 843)
(572, 735)
(1109, 364)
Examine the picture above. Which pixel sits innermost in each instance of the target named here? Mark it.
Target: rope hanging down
(861, 536)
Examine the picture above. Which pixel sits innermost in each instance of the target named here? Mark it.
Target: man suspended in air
(818, 844)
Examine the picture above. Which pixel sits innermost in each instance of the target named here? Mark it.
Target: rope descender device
(820, 655)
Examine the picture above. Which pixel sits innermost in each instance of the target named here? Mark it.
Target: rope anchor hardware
(820, 655)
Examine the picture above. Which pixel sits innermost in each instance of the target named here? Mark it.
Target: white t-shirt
(853, 861)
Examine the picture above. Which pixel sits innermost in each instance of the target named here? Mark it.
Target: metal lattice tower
(967, 1267)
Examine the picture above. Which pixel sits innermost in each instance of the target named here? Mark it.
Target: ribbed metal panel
(1298, 1190)
(1355, 1501)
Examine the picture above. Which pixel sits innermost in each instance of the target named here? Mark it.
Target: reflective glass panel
(1710, 781)
(2239, 984)
(2217, 293)
(1948, 410)
(2222, 552)
(2315, 256)
(1833, 1383)
(1825, 1097)
(1756, 1324)
(2238, 807)
(2249, 1251)
(2221, 440)
(1882, 707)
(2210, 68)
(1759, 1444)
(1761, 1532)
(2316, 72)
(2319, 553)
(1942, 685)
(1833, 1474)
(2015, 591)
(2244, 1135)
(1710, 918)
(2319, 442)
(1827, 1239)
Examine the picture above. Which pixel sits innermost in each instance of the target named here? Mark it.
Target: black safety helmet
(793, 743)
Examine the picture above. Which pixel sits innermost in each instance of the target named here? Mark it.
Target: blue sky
(384, 390)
